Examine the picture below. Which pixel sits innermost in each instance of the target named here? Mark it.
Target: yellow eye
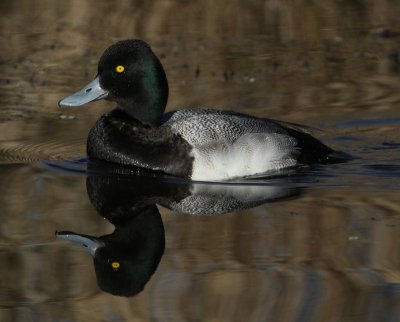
(119, 69)
(115, 265)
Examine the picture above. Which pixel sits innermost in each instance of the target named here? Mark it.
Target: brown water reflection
(328, 255)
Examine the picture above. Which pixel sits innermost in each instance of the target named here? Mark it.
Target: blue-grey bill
(90, 93)
(89, 243)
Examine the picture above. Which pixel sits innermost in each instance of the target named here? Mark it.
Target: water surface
(318, 245)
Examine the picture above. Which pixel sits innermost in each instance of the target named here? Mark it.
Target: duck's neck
(145, 113)
(150, 94)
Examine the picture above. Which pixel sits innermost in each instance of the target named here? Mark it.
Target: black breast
(116, 137)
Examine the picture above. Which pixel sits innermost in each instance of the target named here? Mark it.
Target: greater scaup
(199, 144)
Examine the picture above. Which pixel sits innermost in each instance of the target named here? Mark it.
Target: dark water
(318, 245)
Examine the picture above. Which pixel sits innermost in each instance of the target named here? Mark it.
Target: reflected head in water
(126, 259)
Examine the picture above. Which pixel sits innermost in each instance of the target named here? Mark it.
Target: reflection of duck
(201, 144)
(180, 196)
(126, 259)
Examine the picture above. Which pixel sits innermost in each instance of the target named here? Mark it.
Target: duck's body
(203, 144)
(200, 144)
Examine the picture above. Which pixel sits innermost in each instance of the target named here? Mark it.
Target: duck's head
(130, 74)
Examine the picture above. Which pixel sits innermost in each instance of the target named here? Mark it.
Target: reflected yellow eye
(119, 69)
(115, 265)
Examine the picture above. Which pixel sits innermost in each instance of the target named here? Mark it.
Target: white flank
(250, 154)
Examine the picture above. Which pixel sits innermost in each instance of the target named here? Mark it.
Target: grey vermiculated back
(201, 126)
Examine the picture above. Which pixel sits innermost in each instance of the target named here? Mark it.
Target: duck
(200, 144)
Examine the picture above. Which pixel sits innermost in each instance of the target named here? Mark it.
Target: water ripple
(28, 152)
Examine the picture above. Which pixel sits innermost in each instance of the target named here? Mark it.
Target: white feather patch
(250, 154)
